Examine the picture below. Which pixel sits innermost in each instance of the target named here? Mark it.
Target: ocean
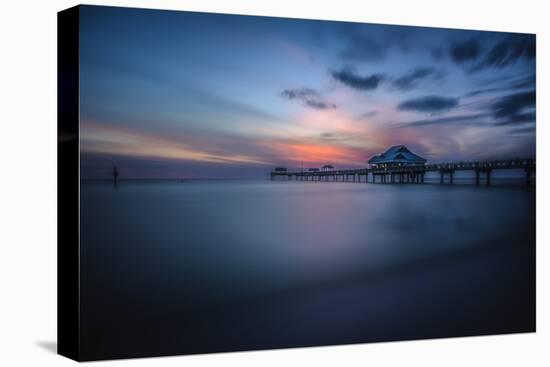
(209, 266)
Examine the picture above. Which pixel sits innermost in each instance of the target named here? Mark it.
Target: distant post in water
(115, 176)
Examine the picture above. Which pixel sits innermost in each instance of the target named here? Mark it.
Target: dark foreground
(180, 268)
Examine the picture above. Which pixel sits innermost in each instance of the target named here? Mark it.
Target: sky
(170, 94)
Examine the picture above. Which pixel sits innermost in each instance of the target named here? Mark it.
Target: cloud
(465, 51)
(468, 119)
(104, 138)
(373, 42)
(485, 91)
(518, 118)
(515, 108)
(407, 81)
(361, 46)
(524, 130)
(318, 104)
(516, 84)
(509, 51)
(518, 108)
(333, 137)
(412, 78)
(428, 104)
(525, 82)
(309, 97)
(355, 81)
(500, 52)
(367, 115)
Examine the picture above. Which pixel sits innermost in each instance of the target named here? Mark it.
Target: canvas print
(243, 183)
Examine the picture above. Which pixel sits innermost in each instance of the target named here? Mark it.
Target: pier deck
(413, 173)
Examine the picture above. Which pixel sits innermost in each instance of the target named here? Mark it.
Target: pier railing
(412, 173)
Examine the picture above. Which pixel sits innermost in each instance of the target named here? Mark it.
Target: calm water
(191, 267)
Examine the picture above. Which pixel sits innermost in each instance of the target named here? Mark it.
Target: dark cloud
(518, 118)
(363, 48)
(524, 130)
(309, 97)
(515, 108)
(472, 119)
(485, 91)
(428, 104)
(375, 42)
(299, 93)
(371, 42)
(349, 78)
(408, 81)
(333, 137)
(493, 52)
(527, 82)
(412, 78)
(366, 115)
(465, 51)
(508, 51)
(320, 105)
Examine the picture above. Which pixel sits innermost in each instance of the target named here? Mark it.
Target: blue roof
(397, 154)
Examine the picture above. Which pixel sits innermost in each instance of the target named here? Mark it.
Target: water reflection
(179, 249)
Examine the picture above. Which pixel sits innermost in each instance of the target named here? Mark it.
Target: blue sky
(197, 95)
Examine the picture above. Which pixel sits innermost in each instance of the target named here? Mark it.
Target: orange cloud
(104, 138)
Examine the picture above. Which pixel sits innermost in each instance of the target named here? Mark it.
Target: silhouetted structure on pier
(398, 155)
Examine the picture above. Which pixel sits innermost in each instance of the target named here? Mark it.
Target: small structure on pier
(280, 170)
(398, 155)
(327, 167)
(313, 170)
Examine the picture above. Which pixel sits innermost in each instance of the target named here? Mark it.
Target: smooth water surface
(190, 267)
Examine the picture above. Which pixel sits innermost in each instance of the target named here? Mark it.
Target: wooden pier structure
(411, 174)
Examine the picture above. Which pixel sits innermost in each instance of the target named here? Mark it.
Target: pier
(412, 173)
